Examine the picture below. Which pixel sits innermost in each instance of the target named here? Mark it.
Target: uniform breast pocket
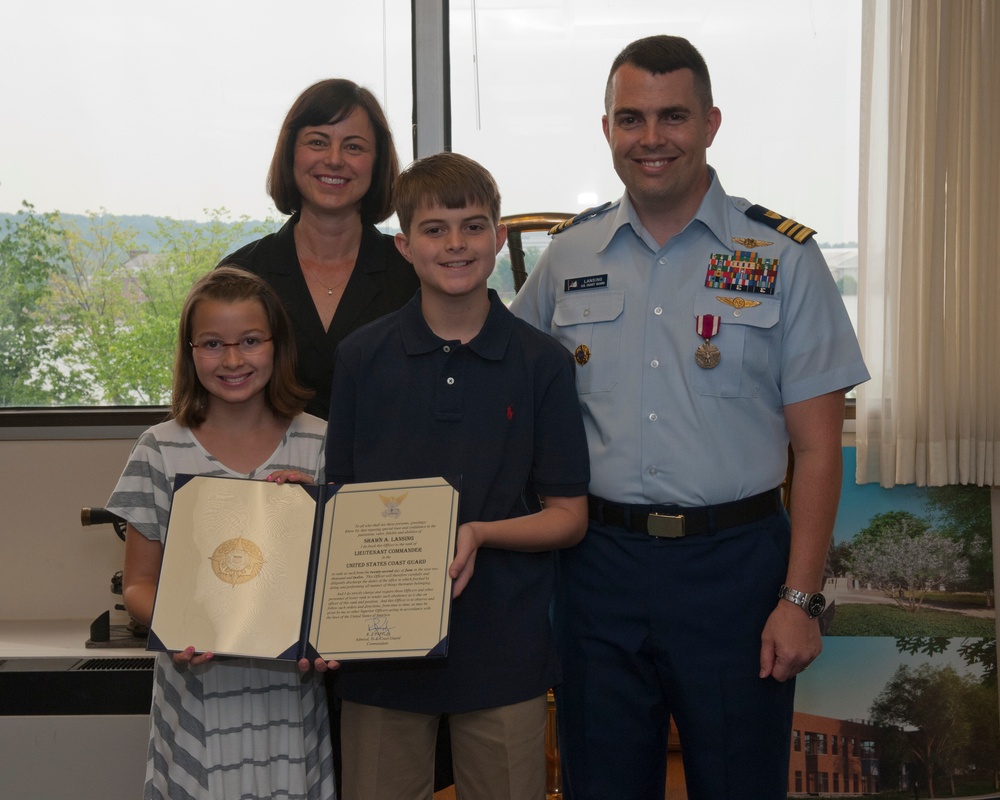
(589, 325)
(747, 341)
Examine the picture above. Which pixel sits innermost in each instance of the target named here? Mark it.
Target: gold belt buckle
(665, 526)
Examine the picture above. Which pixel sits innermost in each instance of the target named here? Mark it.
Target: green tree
(976, 653)
(963, 513)
(847, 284)
(116, 306)
(981, 705)
(502, 279)
(930, 704)
(899, 554)
(91, 302)
(840, 555)
(29, 256)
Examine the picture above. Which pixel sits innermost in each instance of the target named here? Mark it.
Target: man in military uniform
(708, 335)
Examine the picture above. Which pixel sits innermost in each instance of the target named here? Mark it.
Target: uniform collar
(620, 215)
(490, 343)
(711, 213)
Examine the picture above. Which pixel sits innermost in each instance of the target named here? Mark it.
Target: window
(815, 744)
(833, 742)
(797, 741)
(798, 780)
(529, 81)
(173, 111)
(154, 112)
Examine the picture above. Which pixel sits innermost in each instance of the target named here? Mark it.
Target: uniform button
(654, 363)
(652, 470)
(737, 313)
(450, 381)
(663, 259)
(652, 418)
(586, 312)
(447, 348)
(657, 311)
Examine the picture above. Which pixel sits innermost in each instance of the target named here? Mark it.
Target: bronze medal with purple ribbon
(707, 355)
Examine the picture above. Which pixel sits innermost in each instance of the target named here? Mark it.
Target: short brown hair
(326, 103)
(226, 284)
(448, 179)
(659, 54)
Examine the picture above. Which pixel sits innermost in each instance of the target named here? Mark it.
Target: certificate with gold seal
(342, 571)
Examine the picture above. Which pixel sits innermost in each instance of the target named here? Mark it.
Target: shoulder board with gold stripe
(792, 229)
(583, 216)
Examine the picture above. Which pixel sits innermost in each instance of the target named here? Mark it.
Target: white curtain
(929, 271)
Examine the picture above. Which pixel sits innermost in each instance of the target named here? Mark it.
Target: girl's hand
(190, 658)
(319, 665)
(289, 476)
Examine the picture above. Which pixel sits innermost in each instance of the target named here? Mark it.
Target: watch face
(817, 603)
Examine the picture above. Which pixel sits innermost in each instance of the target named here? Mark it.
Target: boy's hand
(461, 569)
(289, 476)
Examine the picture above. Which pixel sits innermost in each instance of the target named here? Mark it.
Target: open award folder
(341, 571)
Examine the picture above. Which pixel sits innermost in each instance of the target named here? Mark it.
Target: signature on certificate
(378, 628)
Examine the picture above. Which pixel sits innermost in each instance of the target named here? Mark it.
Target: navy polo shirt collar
(490, 343)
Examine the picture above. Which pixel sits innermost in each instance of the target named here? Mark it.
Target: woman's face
(333, 164)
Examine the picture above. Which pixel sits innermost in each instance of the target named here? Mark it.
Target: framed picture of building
(903, 701)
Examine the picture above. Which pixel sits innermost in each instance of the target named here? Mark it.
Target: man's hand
(790, 642)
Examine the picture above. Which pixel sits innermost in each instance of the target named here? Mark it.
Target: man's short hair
(659, 54)
(447, 179)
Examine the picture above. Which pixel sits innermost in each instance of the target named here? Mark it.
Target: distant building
(832, 757)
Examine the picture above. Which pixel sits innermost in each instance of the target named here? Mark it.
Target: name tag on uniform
(590, 282)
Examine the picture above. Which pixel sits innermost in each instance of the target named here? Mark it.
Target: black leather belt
(672, 522)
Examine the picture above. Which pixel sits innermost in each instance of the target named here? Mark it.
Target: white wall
(51, 567)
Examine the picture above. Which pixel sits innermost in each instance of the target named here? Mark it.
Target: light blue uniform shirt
(660, 428)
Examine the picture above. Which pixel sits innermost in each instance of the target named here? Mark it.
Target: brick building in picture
(832, 756)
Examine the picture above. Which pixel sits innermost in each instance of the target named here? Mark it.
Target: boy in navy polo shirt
(454, 384)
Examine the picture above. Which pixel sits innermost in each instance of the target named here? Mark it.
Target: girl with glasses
(227, 727)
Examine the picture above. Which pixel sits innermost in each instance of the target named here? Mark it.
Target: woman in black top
(334, 169)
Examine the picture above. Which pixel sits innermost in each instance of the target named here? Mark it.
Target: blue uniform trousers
(650, 627)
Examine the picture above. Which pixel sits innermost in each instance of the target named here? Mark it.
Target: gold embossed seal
(237, 561)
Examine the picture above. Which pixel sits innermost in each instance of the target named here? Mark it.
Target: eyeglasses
(215, 348)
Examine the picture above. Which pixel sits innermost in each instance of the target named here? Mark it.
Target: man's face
(659, 133)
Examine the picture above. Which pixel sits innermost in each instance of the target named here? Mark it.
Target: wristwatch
(813, 604)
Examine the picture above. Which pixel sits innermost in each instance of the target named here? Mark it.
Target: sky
(852, 670)
(173, 110)
(860, 502)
